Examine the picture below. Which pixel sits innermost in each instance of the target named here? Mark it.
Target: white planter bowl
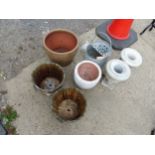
(87, 74)
(118, 70)
(132, 57)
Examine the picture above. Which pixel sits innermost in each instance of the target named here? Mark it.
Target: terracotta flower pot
(47, 78)
(61, 46)
(87, 74)
(69, 103)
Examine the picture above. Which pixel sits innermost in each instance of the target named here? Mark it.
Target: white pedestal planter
(87, 74)
(116, 71)
(131, 57)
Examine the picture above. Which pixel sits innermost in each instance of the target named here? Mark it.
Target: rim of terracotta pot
(61, 30)
(95, 64)
(60, 84)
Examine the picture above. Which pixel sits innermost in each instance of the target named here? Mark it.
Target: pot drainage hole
(68, 109)
(49, 83)
(118, 69)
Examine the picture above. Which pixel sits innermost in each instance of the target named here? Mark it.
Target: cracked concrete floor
(136, 108)
(21, 40)
(21, 43)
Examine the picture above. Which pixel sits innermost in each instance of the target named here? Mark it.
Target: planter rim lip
(95, 64)
(61, 30)
(65, 89)
(59, 86)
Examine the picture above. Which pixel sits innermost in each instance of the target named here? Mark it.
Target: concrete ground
(21, 43)
(127, 109)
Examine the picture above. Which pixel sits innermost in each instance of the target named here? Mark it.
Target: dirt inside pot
(48, 76)
(61, 49)
(61, 41)
(68, 109)
(49, 83)
(88, 71)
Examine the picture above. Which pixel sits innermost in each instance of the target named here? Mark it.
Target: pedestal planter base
(116, 44)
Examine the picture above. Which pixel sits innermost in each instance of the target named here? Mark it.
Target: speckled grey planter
(91, 55)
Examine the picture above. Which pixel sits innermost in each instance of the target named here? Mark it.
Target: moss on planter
(7, 116)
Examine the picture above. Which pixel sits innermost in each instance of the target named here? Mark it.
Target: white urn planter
(87, 74)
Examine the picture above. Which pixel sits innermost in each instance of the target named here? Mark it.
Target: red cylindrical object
(120, 28)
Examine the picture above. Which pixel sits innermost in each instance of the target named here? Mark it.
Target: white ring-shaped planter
(118, 70)
(132, 57)
(87, 74)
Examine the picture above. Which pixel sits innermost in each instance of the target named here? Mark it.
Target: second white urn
(87, 74)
